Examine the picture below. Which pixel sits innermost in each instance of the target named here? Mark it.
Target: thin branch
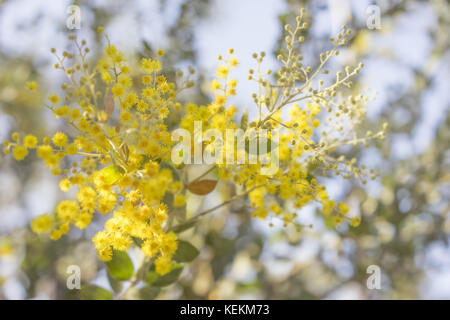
(203, 213)
(204, 174)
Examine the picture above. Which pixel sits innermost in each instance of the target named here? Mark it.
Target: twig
(201, 214)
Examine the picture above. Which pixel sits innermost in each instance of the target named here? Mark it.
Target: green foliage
(115, 284)
(92, 292)
(186, 252)
(154, 279)
(149, 292)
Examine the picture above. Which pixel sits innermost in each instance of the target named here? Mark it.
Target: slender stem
(204, 174)
(203, 213)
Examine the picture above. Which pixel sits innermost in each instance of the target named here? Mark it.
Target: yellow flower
(67, 210)
(125, 80)
(75, 114)
(86, 195)
(146, 79)
(142, 106)
(44, 151)
(118, 90)
(30, 141)
(232, 83)
(55, 234)
(179, 201)
(106, 77)
(31, 85)
(125, 69)
(54, 98)
(42, 224)
(343, 207)
(15, 136)
(234, 61)
(163, 113)
(215, 85)
(62, 111)
(19, 152)
(71, 150)
(83, 220)
(64, 185)
(169, 243)
(150, 247)
(52, 161)
(161, 79)
(111, 51)
(222, 71)
(125, 116)
(122, 166)
(59, 139)
(150, 66)
(64, 228)
(163, 265)
(220, 100)
(355, 221)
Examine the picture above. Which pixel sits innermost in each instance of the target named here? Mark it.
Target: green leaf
(186, 252)
(115, 284)
(283, 18)
(92, 292)
(309, 177)
(168, 200)
(169, 278)
(252, 285)
(161, 281)
(151, 277)
(120, 267)
(313, 165)
(149, 292)
(137, 241)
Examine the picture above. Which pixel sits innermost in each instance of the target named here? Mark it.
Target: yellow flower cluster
(118, 158)
(118, 152)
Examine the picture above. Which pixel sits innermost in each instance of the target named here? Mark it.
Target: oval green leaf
(115, 284)
(92, 292)
(120, 267)
(169, 278)
(149, 292)
(186, 252)
(151, 277)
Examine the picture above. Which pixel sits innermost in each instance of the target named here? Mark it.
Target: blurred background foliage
(405, 213)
